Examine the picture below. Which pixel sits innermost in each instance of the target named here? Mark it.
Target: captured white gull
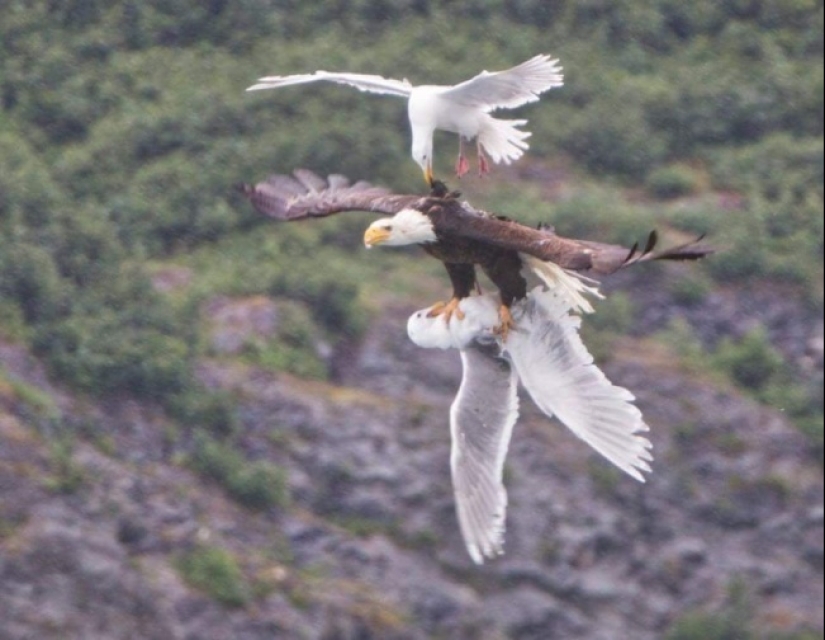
(547, 355)
(463, 108)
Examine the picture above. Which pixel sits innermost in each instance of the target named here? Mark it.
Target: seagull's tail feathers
(569, 286)
(502, 140)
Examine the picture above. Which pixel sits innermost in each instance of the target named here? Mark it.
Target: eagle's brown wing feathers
(307, 195)
(545, 244)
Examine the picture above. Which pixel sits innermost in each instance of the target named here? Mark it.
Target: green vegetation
(67, 476)
(755, 365)
(215, 572)
(735, 621)
(257, 485)
(125, 126)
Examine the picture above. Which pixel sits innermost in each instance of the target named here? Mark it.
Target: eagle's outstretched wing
(578, 255)
(307, 195)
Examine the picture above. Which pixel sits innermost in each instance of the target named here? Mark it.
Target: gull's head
(422, 153)
(408, 226)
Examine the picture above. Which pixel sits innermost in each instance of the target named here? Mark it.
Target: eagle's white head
(408, 226)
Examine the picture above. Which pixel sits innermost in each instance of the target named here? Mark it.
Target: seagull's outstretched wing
(363, 82)
(508, 89)
(561, 378)
(481, 418)
(307, 195)
(481, 423)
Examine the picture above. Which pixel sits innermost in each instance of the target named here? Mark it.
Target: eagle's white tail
(502, 140)
(568, 285)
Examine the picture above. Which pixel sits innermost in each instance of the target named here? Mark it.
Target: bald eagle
(462, 238)
(548, 357)
(463, 108)
(537, 343)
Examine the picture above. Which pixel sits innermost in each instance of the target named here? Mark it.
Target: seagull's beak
(374, 236)
(428, 176)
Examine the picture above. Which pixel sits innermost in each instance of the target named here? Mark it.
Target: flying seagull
(547, 355)
(463, 108)
(462, 238)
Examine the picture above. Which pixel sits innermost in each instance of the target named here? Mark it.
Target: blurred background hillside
(170, 362)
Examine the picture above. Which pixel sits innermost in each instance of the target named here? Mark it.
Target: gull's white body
(462, 109)
(547, 355)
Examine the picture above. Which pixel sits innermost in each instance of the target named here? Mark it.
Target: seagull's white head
(422, 151)
(408, 226)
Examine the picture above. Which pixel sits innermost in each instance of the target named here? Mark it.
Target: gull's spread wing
(481, 423)
(481, 418)
(508, 89)
(559, 374)
(307, 195)
(363, 82)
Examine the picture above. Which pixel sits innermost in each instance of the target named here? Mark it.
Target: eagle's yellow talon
(507, 323)
(446, 309)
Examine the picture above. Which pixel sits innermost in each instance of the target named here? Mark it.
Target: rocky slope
(94, 531)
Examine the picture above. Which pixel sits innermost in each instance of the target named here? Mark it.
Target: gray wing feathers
(362, 82)
(511, 88)
(307, 195)
(560, 376)
(481, 423)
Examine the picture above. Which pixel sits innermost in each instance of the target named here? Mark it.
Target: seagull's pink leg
(462, 165)
(483, 163)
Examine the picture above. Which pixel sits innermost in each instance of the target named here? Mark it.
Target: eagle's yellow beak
(374, 236)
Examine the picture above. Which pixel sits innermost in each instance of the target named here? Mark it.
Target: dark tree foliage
(124, 125)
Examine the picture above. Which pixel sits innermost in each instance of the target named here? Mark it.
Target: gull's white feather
(546, 353)
(481, 423)
(559, 374)
(570, 286)
(480, 317)
(463, 108)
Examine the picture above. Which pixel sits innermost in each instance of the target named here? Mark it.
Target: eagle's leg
(463, 279)
(462, 165)
(483, 162)
(505, 272)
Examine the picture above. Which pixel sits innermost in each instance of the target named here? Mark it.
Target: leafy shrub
(752, 362)
(67, 475)
(672, 181)
(294, 348)
(215, 572)
(211, 411)
(257, 485)
(689, 290)
(610, 140)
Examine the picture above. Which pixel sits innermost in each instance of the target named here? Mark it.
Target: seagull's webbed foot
(507, 323)
(462, 165)
(446, 310)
